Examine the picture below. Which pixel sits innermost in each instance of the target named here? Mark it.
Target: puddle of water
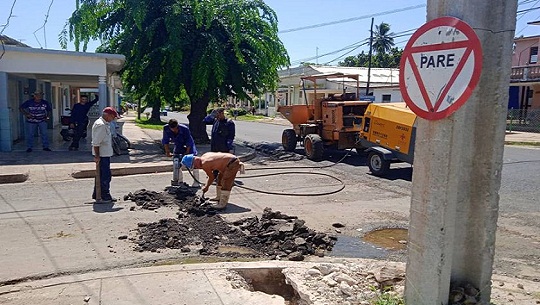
(388, 238)
(235, 249)
(347, 246)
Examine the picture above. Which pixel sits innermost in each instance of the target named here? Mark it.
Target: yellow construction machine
(388, 135)
(324, 121)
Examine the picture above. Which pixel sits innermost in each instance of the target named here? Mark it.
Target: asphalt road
(518, 238)
(48, 228)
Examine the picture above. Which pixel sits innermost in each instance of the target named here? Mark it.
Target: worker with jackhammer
(227, 166)
(183, 145)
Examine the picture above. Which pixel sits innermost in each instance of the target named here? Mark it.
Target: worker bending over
(227, 166)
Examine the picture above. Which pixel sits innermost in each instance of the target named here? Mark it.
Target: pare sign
(440, 66)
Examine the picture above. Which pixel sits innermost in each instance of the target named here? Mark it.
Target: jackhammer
(178, 176)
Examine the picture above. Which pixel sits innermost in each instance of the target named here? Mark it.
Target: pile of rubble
(149, 200)
(282, 236)
(348, 283)
(200, 228)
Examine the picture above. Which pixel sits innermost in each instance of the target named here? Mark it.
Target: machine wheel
(288, 139)
(377, 165)
(313, 147)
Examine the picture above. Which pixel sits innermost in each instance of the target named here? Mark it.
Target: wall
(395, 94)
(520, 56)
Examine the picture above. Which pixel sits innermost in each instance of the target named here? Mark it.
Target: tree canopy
(210, 48)
(390, 59)
(386, 56)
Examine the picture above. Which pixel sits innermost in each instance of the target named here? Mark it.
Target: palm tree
(383, 41)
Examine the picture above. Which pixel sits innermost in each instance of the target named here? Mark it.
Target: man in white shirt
(102, 151)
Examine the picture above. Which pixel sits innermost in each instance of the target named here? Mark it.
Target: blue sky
(28, 19)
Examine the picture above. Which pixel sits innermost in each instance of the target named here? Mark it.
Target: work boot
(218, 194)
(223, 200)
(196, 178)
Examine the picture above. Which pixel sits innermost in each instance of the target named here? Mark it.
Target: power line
(43, 26)
(342, 55)
(331, 52)
(354, 46)
(351, 19)
(4, 27)
(528, 10)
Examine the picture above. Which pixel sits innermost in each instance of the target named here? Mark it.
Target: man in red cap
(102, 151)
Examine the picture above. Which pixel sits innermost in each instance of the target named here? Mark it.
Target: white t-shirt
(101, 136)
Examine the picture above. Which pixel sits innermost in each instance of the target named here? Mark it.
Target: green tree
(390, 59)
(211, 48)
(382, 38)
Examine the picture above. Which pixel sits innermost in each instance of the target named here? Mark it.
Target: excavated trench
(199, 229)
(270, 281)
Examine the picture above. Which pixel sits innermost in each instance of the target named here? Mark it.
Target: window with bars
(534, 55)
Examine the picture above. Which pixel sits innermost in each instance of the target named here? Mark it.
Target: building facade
(60, 75)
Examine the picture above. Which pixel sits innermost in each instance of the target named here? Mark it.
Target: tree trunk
(156, 111)
(196, 116)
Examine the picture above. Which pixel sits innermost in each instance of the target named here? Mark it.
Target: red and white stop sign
(440, 67)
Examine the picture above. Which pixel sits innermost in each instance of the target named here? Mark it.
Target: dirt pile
(149, 200)
(349, 283)
(273, 236)
(279, 235)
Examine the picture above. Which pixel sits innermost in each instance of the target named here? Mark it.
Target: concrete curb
(522, 143)
(125, 171)
(13, 178)
(144, 169)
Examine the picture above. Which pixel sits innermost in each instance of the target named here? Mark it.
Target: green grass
(144, 123)
(248, 117)
(388, 299)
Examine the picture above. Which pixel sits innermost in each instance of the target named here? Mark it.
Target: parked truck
(388, 135)
(324, 122)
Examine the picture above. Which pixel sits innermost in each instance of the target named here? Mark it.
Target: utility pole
(369, 56)
(317, 55)
(458, 164)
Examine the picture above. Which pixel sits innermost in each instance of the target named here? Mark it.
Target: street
(49, 228)
(518, 242)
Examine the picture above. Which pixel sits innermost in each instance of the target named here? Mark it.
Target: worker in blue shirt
(79, 120)
(183, 145)
(223, 131)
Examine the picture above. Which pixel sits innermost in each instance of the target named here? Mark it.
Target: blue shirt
(79, 113)
(38, 110)
(182, 140)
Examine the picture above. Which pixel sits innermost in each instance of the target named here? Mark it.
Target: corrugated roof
(381, 76)
(12, 42)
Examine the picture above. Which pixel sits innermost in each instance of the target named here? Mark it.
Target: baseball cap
(111, 110)
(38, 92)
(187, 161)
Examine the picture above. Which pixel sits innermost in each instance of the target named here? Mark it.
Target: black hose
(290, 173)
(293, 194)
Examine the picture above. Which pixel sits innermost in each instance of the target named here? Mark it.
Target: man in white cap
(102, 151)
(226, 164)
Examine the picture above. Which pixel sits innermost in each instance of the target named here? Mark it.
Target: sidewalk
(146, 156)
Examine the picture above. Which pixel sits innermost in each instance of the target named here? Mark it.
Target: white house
(59, 74)
(384, 84)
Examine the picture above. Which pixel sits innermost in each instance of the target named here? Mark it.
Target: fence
(523, 120)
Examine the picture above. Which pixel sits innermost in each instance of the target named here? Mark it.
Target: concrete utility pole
(457, 168)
